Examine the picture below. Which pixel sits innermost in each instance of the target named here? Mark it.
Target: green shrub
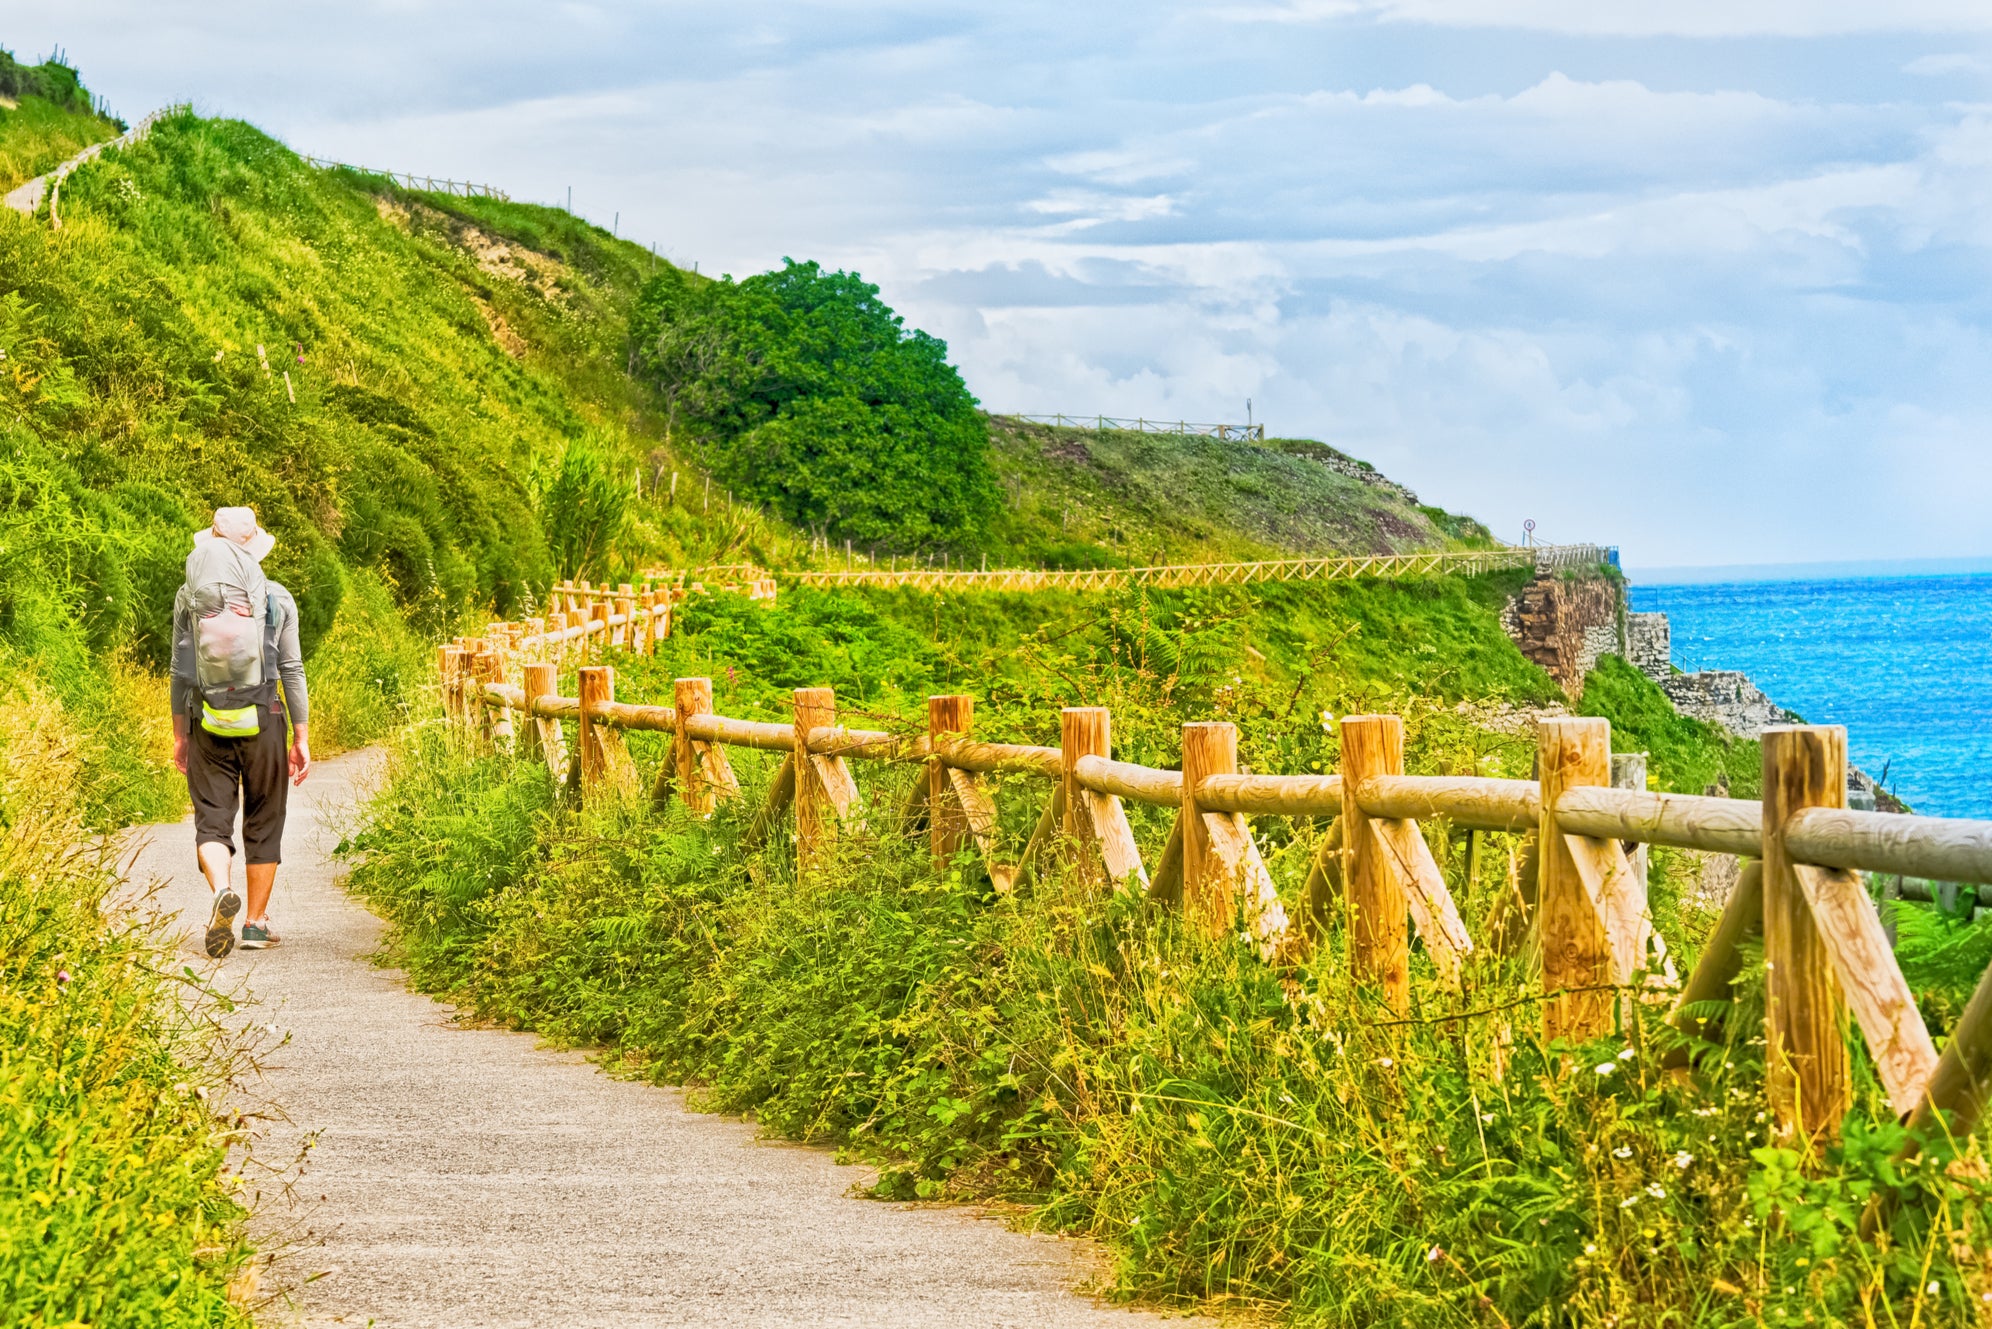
(806, 391)
(1683, 754)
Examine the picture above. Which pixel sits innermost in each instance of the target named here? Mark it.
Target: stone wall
(1565, 624)
(1725, 697)
(1649, 645)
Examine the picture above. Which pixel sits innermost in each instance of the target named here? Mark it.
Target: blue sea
(1904, 662)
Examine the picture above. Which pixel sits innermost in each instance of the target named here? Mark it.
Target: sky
(1706, 280)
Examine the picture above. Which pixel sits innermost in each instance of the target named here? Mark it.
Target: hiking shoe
(221, 923)
(258, 936)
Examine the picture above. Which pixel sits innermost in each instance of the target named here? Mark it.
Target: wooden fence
(426, 183)
(760, 584)
(1141, 425)
(1584, 899)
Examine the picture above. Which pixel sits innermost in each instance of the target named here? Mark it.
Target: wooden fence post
(1805, 1012)
(543, 733)
(1083, 731)
(1209, 748)
(604, 760)
(598, 619)
(1379, 914)
(626, 609)
(951, 716)
(702, 769)
(815, 822)
(1576, 947)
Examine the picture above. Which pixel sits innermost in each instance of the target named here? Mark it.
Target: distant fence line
(1141, 425)
(426, 183)
(1337, 567)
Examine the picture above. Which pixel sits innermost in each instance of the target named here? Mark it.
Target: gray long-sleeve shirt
(279, 645)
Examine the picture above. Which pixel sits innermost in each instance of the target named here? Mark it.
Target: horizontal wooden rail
(741, 733)
(1474, 801)
(1124, 779)
(1685, 821)
(1276, 795)
(999, 758)
(1936, 847)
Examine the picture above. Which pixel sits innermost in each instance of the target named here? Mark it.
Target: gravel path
(472, 1177)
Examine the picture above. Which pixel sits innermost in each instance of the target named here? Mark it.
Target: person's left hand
(300, 761)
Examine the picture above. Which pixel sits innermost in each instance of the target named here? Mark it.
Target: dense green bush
(803, 389)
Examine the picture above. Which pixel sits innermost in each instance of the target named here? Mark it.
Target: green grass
(1684, 754)
(1111, 498)
(38, 135)
(120, 1204)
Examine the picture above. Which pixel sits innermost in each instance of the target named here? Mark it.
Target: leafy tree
(806, 391)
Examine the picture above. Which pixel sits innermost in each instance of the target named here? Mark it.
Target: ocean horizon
(1900, 654)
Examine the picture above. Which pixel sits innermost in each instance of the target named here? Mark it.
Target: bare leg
(262, 877)
(214, 858)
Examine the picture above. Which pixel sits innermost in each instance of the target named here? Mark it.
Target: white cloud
(1714, 301)
(1638, 18)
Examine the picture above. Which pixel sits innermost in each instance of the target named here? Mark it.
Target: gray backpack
(228, 598)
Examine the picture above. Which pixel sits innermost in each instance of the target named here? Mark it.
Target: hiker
(234, 638)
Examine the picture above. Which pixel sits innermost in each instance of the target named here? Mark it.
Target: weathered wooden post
(951, 716)
(1379, 914)
(1576, 948)
(1083, 731)
(690, 697)
(815, 820)
(597, 685)
(1209, 748)
(626, 610)
(598, 627)
(1805, 1012)
(543, 732)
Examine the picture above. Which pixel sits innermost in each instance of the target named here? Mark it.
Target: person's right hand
(180, 753)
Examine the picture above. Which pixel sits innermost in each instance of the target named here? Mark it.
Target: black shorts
(252, 773)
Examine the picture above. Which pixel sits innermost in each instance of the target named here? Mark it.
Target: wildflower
(1934, 1287)
(1657, 1191)
(1628, 1202)
(1683, 1159)
(1623, 1151)
(1626, 1055)
(1607, 1067)
(1385, 1062)
(1432, 1255)
(1590, 1248)
(62, 978)
(1487, 1118)
(1134, 1222)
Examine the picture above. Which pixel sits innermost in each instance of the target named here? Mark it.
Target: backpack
(228, 598)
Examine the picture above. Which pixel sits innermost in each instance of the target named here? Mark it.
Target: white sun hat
(241, 526)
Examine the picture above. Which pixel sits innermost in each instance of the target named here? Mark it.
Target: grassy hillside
(45, 119)
(1090, 498)
(394, 381)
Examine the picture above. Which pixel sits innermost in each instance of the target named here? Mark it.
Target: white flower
(1623, 1151)
(1590, 1248)
(1432, 1255)
(1607, 1067)
(1628, 1202)
(1683, 1159)
(1626, 1055)
(1385, 1062)
(1487, 1118)
(1934, 1287)
(1657, 1191)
